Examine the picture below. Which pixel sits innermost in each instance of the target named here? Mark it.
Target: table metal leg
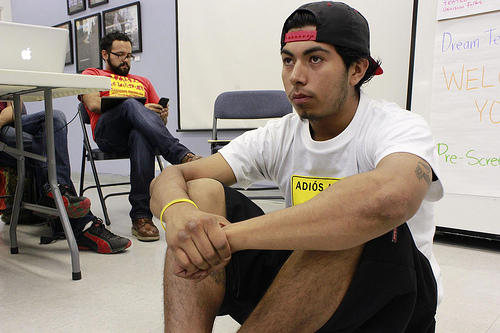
(52, 176)
(20, 178)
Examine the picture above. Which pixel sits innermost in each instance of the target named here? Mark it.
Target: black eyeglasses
(123, 56)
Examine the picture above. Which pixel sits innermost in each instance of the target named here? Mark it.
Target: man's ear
(104, 55)
(358, 70)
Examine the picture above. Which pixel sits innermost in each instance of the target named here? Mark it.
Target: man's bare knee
(208, 195)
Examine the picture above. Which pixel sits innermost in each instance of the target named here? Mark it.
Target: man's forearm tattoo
(423, 171)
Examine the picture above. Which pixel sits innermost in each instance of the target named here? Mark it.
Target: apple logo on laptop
(26, 54)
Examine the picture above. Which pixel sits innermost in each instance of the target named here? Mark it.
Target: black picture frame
(75, 6)
(126, 19)
(87, 39)
(69, 55)
(95, 3)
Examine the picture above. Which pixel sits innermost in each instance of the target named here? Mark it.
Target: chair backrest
(252, 104)
(83, 112)
(249, 104)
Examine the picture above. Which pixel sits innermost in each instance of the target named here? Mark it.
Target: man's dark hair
(109, 38)
(301, 19)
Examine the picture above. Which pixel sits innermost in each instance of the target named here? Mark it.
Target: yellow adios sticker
(305, 188)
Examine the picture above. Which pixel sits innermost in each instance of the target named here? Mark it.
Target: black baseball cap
(336, 24)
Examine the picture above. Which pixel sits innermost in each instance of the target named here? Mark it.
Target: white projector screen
(235, 45)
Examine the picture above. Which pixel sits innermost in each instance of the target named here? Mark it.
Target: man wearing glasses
(132, 126)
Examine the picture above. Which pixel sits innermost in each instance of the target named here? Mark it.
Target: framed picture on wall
(75, 6)
(95, 3)
(87, 39)
(69, 54)
(126, 19)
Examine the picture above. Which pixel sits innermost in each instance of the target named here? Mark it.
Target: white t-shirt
(284, 152)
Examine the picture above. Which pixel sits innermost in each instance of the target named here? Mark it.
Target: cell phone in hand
(164, 101)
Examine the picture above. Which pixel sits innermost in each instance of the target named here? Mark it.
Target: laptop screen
(32, 47)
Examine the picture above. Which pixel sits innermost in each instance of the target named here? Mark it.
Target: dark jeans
(133, 127)
(34, 141)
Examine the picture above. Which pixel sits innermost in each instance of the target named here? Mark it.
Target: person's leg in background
(34, 124)
(113, 128)
(114, 133)
(142, 170)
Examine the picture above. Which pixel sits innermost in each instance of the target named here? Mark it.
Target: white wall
(5, 12)
(234, 45)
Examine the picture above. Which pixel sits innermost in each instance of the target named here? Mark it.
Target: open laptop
(32, 47)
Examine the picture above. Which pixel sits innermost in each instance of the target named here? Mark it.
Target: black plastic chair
(249, 104)
(95, 154)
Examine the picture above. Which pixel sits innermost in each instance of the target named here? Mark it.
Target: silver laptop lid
(32, 47)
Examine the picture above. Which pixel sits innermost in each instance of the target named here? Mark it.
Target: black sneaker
(75, 206)
(99, 239)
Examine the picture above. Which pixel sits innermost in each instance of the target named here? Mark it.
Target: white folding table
(30, 86)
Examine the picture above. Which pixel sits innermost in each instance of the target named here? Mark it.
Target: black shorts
(393, 288)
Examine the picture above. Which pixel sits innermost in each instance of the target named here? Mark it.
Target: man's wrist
(231, 232)
(172, 203)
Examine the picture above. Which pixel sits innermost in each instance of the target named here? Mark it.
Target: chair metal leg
(98, 186)
(99, 190)
(82, 172)
(160, 163)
